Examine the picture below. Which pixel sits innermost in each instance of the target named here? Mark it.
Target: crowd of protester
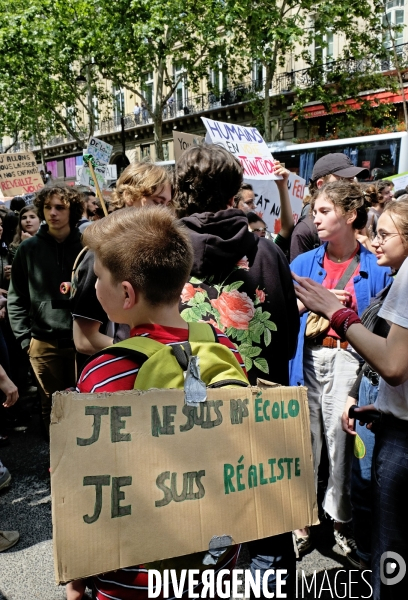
(334, 285)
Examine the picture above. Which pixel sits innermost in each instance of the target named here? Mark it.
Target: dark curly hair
(207, 177)
(70, 196)
(347, 197)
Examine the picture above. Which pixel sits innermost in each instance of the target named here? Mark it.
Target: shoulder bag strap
(348, 272)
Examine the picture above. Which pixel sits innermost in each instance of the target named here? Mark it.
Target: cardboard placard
(267, 200)
(101, 151)
(246, 144)
(111, 173)
(182, 141)
(19, 174)
(139, 476)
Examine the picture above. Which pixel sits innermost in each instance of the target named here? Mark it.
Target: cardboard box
(139, 476)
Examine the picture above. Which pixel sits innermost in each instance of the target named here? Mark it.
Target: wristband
(342, 319)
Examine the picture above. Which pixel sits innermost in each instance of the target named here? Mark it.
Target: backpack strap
(139, 349)
(201, 332)
(182, 352)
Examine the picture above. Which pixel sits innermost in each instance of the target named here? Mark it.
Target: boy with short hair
(143, 258)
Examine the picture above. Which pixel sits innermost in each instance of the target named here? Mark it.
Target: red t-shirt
(335, 272)
(108, 373)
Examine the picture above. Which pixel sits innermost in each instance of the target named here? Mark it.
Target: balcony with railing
(241, 92)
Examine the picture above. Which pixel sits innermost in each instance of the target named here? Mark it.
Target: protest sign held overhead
(267, 201)
(249, 147)
(246, 144)
(19, 174)
(101, 152)
(132, 472)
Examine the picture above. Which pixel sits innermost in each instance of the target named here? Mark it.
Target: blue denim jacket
(371, 280)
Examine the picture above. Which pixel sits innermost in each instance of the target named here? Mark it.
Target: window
(147, 88)
(324, 47)
(165, 146)
(181, 95)
(393, 18)
(70, 112)
(118, 104)
(145, 151)
(218, 78)
(258, 74)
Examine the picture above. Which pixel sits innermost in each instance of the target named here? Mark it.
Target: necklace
(343, 258)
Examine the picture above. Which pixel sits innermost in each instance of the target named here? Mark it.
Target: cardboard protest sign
(101, 151)
(140, 476)
(111, 173)
(19, 174)
(182, 141)
(267, 201)
(246, 144)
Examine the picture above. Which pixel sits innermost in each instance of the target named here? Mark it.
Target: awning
(318, 110)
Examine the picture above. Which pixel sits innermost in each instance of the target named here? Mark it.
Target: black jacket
(36, 307)
(254, 303)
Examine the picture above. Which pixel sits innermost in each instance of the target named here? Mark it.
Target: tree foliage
(41, 47)
(277, 33)
(157, 36)
(45, 45)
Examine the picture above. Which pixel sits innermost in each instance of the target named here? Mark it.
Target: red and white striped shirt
(108, 373)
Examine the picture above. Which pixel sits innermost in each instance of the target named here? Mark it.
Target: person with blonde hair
(140, 185)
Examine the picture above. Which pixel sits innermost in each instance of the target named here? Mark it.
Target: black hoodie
(36, 307)
(254, 302)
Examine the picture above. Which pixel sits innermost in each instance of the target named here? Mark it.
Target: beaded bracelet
(342, 319)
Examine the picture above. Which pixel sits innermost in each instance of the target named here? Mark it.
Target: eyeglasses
(259, 229)
(382, 237)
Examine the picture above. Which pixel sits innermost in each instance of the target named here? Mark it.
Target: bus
(383, 154)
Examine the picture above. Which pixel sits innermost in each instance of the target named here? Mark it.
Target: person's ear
(230, 202)
(130, 296)
(319, 182)
(351, 217)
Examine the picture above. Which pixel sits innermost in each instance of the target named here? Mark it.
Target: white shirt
(394, 400)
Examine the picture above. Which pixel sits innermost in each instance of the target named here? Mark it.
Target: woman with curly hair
(142, 184)
(39, 313)
(324, 362)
